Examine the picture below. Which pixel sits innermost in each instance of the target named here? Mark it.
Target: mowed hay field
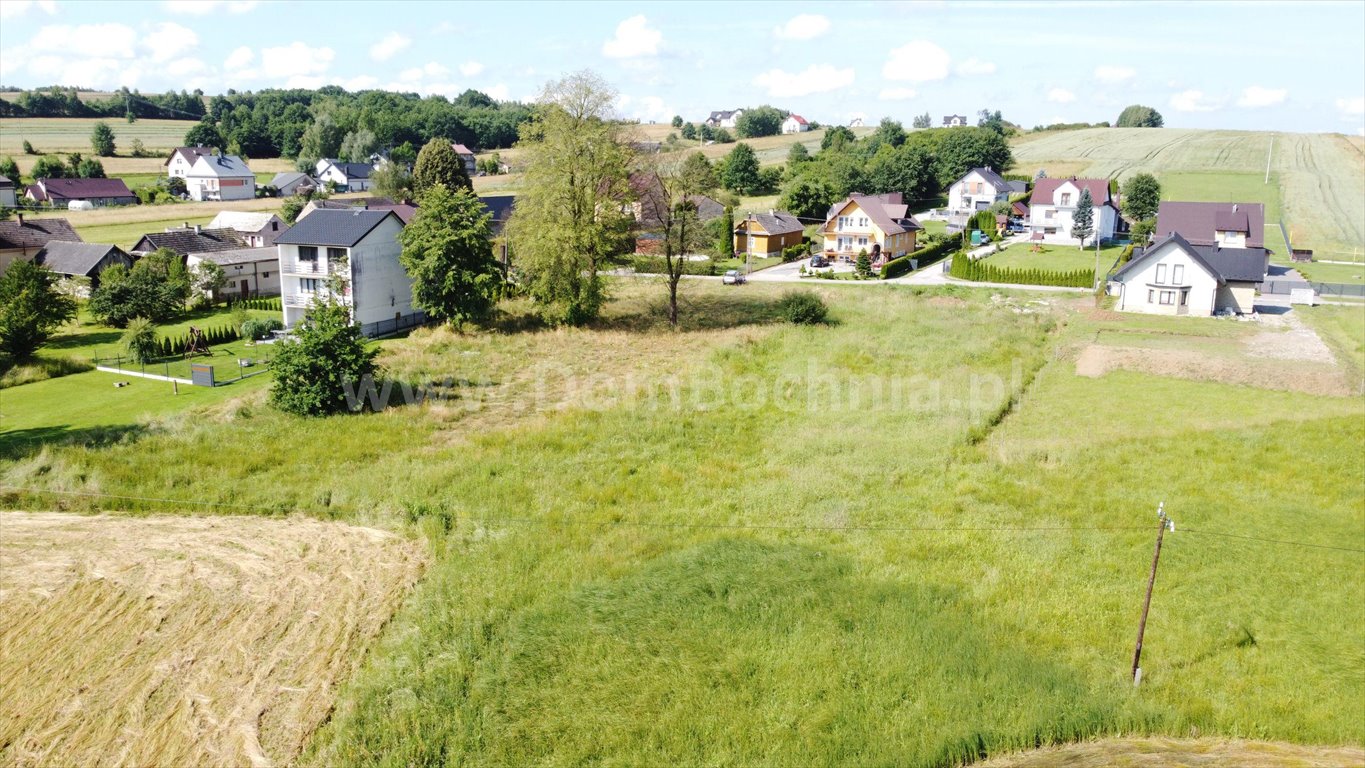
(183, 641)
(915, 536)
(1320, 194)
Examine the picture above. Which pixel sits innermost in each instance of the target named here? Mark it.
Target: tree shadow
(76, 340)
(16, 444)
(696, 312)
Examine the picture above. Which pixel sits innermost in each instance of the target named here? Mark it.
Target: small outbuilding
(73, 259)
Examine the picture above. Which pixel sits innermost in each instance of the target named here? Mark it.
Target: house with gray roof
(293, 183)
(250, 272)
(724, 118)
(75, 259)
(1173, 276)
(190, 238)
(346, 177)
(8, 194)
(258, 228)
(768, 234)
(22, 237)
(359, 248)
(977, 190)
(220, 177)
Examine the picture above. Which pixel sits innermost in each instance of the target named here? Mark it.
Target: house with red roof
(795, 124)
(1053, 203)
(471, 163)
(61, 193)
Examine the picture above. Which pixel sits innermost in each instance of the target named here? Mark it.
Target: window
(1178, 274)
(1161, 273)
(308, 253)
(334, 254)
(1066, 198)
(862, 221)
(1168, 297)
(1151, 295)
(308, 284)
(843, 222)
(1049, 214)
(862, 241)
(265, 275)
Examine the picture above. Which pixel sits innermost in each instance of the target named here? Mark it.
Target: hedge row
(222, 335)
(269, 304)
(924, 256)
(964, 268)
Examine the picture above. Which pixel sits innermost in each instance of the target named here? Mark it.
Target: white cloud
(167, 40)
(239, 58)
(648, 109)
(389, 46)
(1060, 96)
(471, 68)
(918, 61)
(634, 38)
(1194, 101)
(897, 94)
(87, 40)
(805, 26)
(975, 66)
(498, 92)
(360, 83)
(1257, 96)
(429, 70)
(296, 59)
(13, 9)
(1351, 106)
(1109, 73)
(817, 78)
(206, 7)
(184, 67)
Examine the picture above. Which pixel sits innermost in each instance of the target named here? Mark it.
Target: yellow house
(767, 234)
(882, 224)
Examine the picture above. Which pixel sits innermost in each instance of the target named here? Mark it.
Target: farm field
(1321, 178)
(894, 539)
(1058, 258)
(72, 134)
(182, 640)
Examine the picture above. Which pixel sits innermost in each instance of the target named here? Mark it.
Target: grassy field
(72, 134)
(914, 536)
(1332, 273)
(1058, 258)
(1320, 177)
(184, 641)
(1207, 753)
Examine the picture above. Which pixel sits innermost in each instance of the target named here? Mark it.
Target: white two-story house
(182, 159)
(1175, 277)
(977, 190)
(724, 118)
(220, 177)
(881, 224)
(359, 246)
(1053, 203)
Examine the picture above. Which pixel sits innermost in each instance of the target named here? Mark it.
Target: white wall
(1105, 220)
(262, 277)
(379, 286)
(958, 194)
(206, 188)
(1202, 287)
(178, 166)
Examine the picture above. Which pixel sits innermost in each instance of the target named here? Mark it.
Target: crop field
(918, 535)
(1321, 179)
(183, 640)
(72, 134)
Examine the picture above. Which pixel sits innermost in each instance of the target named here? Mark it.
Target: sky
(1290, 66)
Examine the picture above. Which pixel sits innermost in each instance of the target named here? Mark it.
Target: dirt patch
(1096, 360)
(1194, 753)
(183, 641)
(1286, 338)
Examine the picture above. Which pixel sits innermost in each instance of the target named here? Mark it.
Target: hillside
(1317, 181)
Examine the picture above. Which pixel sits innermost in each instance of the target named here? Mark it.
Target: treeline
(920, 164)
(124, 103)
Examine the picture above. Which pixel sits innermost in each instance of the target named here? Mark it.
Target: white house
(724, 118)
(348, 177)
(182, 159)
(1053, 203)
(259, 229)
(220, 177)
(250, 272)
(795, 124)
(977, 190)
(954, 121)
(1174, 277)
(361, 247)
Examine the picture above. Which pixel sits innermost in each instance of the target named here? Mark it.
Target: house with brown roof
(182, 159)
(75, 259)
(881, 224)
(471, 163)
(191, 239)
(1053, 203)
(61, 193)
(977, 190)
(22, 238)
(767, 234)
(1230, 225)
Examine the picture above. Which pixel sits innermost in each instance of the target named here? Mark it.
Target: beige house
(1173, 277)
(767, 234)
(881, 224)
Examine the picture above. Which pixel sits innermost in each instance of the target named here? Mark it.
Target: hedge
(964, 268)
(268, 304)
(212, 336)
(924, 256)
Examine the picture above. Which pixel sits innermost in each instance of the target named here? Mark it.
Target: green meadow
(913, 536)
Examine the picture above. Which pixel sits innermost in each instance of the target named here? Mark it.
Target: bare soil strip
(1191, 753)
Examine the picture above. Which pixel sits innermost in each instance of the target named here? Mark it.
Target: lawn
(754, 264)
(745, 542)
(1057, 258)
(126, 235)
(1328, 273)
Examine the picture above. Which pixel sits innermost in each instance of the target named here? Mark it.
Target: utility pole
(1162, 523)
(1268, 153)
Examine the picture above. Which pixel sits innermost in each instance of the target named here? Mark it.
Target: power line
(1274, 541)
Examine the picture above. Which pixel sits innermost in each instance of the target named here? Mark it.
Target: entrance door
(246, 290)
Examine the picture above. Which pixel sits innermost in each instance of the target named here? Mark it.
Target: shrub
(964, 268)
(140, 340)
(802, 308)
(795, 252)
(260, 328)
(924, 256)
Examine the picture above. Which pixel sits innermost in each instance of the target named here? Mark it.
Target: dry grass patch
(183, 641)
(1194, 753)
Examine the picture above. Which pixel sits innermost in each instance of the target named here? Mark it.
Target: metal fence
(387, 327)
(1284, 287)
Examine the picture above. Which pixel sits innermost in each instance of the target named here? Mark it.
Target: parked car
(818, 260)
(733, 277)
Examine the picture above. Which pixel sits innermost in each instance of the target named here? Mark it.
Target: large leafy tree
(1141, 196)
(155, 288)
(922, 121)
(759, 121)
(448, 253)
(741, 170)
(438, 163)
(205, 134)
(1083, 219)
(992, 121)
(571, 216)
(837, 138)
(31, 308)
(889, 133)
(50, 167)
(102, 139)
(697, 173)
(808, 197)
(908, 169)
(961, 149)
(324, 355)
(9, 169)
(797, 155)
(358, 145)
(1139, 116)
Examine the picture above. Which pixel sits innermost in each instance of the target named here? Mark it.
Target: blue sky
(1296, 66)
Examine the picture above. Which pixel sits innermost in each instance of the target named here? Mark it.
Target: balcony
(309, 267)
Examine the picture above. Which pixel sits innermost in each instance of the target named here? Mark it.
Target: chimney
(196, 229)
(185, 225)
(21, 218)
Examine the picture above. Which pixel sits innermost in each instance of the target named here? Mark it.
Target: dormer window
(1066, 198)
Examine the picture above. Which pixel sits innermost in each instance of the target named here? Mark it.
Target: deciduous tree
(448, 253)
(31, 308)
(325, 353)
(102, 139)
(438, 163)
(741, 170)
(759, 121)
(205, 134)
(1139, 116)
(1141, 196)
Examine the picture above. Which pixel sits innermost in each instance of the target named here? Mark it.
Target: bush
(802, 308)
(260, 328)
(140, 340)
(924, 256)
(795, 252)
(964, 268)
